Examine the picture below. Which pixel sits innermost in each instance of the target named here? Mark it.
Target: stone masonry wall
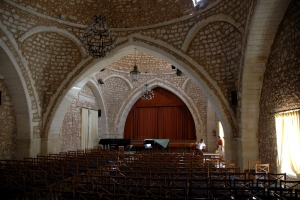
(72, 121)
(8, 131)
(281, 86)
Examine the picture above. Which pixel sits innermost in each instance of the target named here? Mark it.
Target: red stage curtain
(145, 123)
(165, 116)
(160, 122)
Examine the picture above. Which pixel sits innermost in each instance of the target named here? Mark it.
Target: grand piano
(109, 142)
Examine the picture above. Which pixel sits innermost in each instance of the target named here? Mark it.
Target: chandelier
(98, 40)
(135, 74)
(147, 93)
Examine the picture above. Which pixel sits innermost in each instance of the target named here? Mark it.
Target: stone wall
(72, 121)
(281, 85)
(116, 90)
(8, 130)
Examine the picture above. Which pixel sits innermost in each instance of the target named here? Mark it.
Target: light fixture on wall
(98, 40)
(147, 93)
(135, 74)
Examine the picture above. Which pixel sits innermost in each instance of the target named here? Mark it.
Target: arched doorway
(165, 116)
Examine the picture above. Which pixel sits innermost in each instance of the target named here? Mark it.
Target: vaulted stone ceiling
(119, 13)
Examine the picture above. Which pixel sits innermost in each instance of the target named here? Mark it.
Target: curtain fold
(161, 122)
(288, 141)
(93, 129)
(84, 127)
(89, 128)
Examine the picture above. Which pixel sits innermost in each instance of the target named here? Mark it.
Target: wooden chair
(83, 186)
(40, 179)
(104, 188)
(126, 189)
(137, 181)
(174, 192)
(137, 197)
(17, 187)
(114, 197)
(88, 196)
(251, 165)
(150, 190)
(42, 194)
(199, 192)
(223, 193)
(254, 176)
(289, 184)
(251, 193)
(259, 168)
(200, 183)
(4, 186)
(277, 176)
(64, 190)
(121, 148)
(237, 176)
(282, 193)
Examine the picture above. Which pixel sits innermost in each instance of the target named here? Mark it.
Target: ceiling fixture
(98, 40)
(135, 74)
(147, 93)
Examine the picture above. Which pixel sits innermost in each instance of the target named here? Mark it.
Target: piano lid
(162, 142)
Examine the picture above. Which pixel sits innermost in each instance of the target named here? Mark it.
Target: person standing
(220, 147)
(198, 145)
(202, 145)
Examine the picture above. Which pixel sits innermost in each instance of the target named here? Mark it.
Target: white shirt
(200, 145)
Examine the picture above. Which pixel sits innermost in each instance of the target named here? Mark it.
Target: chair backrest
(251, 165)
(121, 148)
(262, 168)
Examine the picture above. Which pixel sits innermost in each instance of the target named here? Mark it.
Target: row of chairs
(95, 190)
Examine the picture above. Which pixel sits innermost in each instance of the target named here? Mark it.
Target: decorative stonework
(217, 48)
(281, 86)
(119, 13)
(51, 57)
(200, 101)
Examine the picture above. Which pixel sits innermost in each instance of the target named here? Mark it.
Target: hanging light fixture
(135, 74)
(98, 40)
(147, 93)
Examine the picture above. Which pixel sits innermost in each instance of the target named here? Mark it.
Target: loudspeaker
(100, 81)
(178, 72)
(99, 113)
(233, 98)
